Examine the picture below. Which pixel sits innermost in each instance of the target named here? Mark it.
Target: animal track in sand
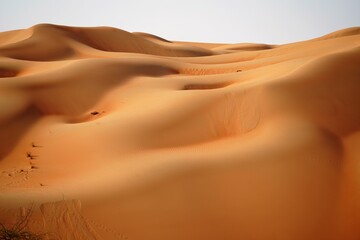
(17, 176)
(30, 155)
(35, 145)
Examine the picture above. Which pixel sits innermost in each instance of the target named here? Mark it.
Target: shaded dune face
(118, 135)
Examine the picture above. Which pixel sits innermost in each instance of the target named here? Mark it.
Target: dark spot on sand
(34, 145)
(29, 155)
(94, 113)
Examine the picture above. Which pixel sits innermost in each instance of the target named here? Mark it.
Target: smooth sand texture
(114, 135)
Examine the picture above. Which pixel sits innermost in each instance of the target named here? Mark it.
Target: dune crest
(132, 136)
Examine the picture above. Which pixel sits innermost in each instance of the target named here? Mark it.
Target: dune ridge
(132, 136)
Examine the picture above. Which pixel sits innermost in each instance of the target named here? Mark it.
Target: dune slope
(115, 135)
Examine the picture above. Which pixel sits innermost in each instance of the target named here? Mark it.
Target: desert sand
(107, 134)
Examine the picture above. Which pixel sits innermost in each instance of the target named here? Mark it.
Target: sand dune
(118, 135)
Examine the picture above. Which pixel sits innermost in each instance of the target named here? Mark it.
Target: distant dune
(115, 135)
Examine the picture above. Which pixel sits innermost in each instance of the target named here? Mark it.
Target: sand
(115, 135)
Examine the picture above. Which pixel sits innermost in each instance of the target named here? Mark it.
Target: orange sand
(117, 135)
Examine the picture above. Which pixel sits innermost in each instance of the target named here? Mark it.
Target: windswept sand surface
(117, 135)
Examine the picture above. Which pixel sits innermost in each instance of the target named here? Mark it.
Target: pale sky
(227, 21)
